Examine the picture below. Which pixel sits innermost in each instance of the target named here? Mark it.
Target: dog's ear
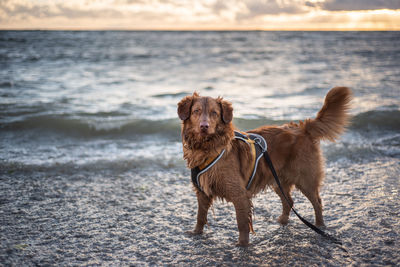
(226, 110)
(184, 106)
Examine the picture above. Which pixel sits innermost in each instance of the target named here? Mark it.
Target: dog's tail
(333, 117)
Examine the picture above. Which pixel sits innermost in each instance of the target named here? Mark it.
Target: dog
(207, 132)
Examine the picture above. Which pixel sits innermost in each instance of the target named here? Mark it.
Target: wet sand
(74, 216)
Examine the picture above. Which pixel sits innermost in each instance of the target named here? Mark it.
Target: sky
(200, 14)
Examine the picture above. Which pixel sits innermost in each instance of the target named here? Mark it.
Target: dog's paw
(193, 233)
(242, 244)
(283, 220)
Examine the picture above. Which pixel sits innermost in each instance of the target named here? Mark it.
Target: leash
(310, 225)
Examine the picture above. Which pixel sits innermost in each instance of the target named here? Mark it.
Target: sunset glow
(200, 14)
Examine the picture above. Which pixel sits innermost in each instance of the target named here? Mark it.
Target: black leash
(310, 225)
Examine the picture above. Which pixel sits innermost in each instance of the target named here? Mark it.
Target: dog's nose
(204, 125)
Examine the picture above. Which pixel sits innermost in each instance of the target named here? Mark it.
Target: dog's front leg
(243, 216)
(204, 202)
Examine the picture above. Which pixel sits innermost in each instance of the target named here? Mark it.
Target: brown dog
(294, 149)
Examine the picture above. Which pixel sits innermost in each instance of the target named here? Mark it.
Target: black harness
(258, 147)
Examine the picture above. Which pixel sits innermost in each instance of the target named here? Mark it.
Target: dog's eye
(214, 113)
(196, 111)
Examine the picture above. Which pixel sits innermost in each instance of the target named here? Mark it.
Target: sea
(91, 167)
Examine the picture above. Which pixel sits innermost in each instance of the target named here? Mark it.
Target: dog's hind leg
(284, 218)
(313, 196)
(204, 202)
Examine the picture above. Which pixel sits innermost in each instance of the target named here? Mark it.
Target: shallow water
(91, 169)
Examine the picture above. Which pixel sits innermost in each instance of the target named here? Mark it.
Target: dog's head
(205, 119)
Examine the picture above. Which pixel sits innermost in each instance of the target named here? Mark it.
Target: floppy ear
(184, 107)
(226, 110)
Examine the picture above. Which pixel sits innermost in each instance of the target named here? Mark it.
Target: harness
(258, 146)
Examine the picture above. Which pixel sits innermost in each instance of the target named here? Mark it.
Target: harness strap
(258, 146)
(207, 162)
(252, 151)
(197, 171)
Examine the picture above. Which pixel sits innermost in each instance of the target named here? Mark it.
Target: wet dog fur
(294, 149)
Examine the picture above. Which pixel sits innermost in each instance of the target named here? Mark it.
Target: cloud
(256, 8)
(348, 5)
(21, 10)
(219, 6)
(95, 8)
(193, 14)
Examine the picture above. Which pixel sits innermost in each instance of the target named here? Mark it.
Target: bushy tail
(333, 117)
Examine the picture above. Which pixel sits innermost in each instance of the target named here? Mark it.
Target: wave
(94, 125)
(6, 84)
(180, 94)
(380, 120)
(138, 166)
(86, 128)
(375, 120)
(13, 39)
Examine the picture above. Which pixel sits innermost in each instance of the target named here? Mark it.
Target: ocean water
(91, 168)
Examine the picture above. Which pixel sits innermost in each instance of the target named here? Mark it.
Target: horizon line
(203, 30)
